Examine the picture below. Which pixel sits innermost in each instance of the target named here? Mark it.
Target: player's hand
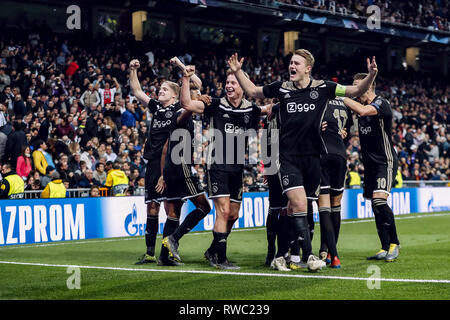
(324, 125)
(205, 99)
(234, 63)
(189, 71)
(270, 114)
(176, 62)
(134, 64)
(161, 185)
(343, 133)
(372, 66)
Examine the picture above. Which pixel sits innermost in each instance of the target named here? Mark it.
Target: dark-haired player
(380, 163)
(333, 166)
(231, 118)
(303, 102)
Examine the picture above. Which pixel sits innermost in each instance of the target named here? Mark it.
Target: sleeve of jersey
(272, 90)
(153, 105)
(334, 90)
(209, 109)
(383, 107)
(256, 116)
(350, 120)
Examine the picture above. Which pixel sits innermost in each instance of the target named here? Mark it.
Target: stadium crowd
(431, 14)
(68, 108)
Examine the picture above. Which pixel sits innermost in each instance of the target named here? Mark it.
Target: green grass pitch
(107, 270)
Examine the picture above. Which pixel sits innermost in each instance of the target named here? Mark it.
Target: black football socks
(151, 230)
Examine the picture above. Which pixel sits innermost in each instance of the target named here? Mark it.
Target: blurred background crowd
(67, 107)
(429, 14)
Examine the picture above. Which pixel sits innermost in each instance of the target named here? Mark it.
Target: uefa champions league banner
(51, 220)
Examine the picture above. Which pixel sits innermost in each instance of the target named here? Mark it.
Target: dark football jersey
(180, 148)
(230, 124)
(338, 117)
(163, 118)
(301, 114)
(375, 135)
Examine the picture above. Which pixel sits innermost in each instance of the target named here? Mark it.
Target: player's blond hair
(174, 87)
(306, 55)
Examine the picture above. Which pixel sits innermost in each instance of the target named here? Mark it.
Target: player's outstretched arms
(360, 109)
(363, 85)
(185, 94)
(250, 89)
(135, 85)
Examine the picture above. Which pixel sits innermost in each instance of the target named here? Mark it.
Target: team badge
(246, 118)
(314, 94)
(168, 114)
(215, 188)
(285, 181)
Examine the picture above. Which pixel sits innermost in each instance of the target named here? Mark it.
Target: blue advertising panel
(52, 220)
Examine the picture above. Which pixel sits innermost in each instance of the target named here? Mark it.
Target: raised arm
(250, 89)
(117, 84)
(185, 94)
(360, 109)
(363, 85)
(194, 78)
(135, 85)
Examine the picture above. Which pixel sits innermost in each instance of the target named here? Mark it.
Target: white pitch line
(34, 245)
(231, 273)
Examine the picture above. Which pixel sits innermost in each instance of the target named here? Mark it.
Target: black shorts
(301, 172)
(225, 184)
(152, 174)
(333, 172)
(277, 200)
(378, 178)
(184, 186)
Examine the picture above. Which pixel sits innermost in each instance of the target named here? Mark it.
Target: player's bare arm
(194, 78)
(267, 109)
(364, 85)
(250, 89)
(185, 94)
(135, 85)
(360, 109)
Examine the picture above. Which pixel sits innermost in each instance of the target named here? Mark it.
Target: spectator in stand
(95, 191)
(48, 176)
(110, 155)
(90, 97)
(17, 140)
(24, 163)
(107, 93)
(87, 180)
(65, 129)
(129, 116)
(99, 173)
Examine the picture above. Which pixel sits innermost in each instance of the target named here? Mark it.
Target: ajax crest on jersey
(168, 114)
(314, 94)
(246, 118)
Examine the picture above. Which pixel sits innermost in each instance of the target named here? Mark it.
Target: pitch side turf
(106, 268)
